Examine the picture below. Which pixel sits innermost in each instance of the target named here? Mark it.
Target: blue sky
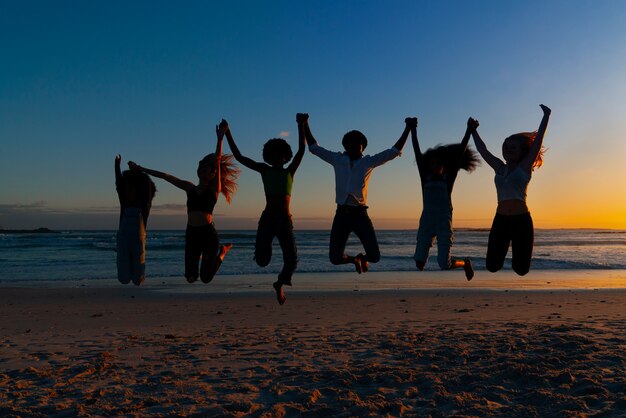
(83, 81)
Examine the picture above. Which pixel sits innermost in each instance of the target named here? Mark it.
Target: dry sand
(151, 352)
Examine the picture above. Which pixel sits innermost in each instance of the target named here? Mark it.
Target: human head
(229, 172)
(446, 157)
(277, 151)
(516, 147)
(206, 168)
(354, 142)
(136, 184)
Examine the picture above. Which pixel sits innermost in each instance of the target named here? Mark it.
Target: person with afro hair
(276, 220)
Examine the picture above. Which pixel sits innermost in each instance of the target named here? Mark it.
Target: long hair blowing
(525, 140)
(229, 173)
(449, 157)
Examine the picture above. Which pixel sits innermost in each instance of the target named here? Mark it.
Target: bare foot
(365, 266)
(224, 249)
(469, 271)
(191, 279)
(420, 265)
(280, 295)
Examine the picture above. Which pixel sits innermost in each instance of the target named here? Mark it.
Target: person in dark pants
(216, 174)
(352, 173)
(513, 225)
(276, 220)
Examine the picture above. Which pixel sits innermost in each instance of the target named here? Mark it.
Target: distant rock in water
(28, 231)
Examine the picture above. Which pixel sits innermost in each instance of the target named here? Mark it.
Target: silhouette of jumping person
(276, 220)
(512, 224)
(438, 168)
(216, 174)
(135, 191)
(352, 174)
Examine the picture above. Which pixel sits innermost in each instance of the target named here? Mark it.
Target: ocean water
(79, 255)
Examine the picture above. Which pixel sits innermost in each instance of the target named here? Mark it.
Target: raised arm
(493, 161)
(472, 125)
(409, 124)
(251, 164)
(415, 142)
(329, 156)
(301, 118)
(181, 184)
(310, 140)
(219, 130)
(118, 170)
(535, 148)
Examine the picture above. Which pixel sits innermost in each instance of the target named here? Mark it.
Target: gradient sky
(82, 81)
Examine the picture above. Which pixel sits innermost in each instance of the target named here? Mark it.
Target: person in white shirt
(352, 173)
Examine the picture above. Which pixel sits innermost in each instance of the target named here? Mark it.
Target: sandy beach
(161, 351)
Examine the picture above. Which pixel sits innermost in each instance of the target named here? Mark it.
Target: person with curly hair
(276, 220)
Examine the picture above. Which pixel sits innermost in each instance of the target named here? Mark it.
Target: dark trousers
(514, 230)
(352, 219)
(282, 228)
(201, 241)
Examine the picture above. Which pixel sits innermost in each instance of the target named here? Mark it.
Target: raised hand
(221, 128)
(472, 124)
(546, 109)
(302, 118)
(411, 122)
(118, 159)
(133, 166)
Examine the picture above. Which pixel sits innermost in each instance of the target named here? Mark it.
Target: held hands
(411, 123)
(546, 109)
(118, 159)
(221, 129)
(472, 124)
(302, 118)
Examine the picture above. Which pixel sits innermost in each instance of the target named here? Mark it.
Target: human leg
(263, 245)
(499, 241)
(424, 240)
(364, 230)
(123, 258)
(287, 241)
(339, 233)
(193, 250)
(211, 260)
(138, 255)
(522, 243)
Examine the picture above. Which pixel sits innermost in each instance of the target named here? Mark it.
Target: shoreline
(350, 281)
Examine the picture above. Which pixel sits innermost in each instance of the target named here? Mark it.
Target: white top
(351, 177)
(511, 185)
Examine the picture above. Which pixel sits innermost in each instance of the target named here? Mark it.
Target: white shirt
(351, 177)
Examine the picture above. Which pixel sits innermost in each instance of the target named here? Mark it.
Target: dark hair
(141, 182)
(449, 156)
(276, 147)
(354, 136)
(229, 172)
